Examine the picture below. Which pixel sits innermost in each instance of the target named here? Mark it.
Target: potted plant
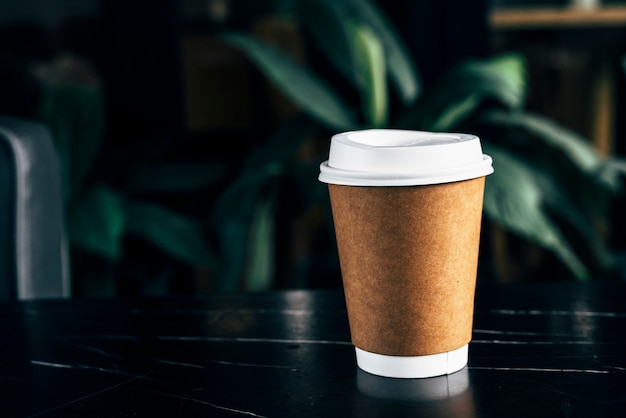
(549, 185)
(111, 194)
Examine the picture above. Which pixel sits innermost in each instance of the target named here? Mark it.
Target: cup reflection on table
(442, 396)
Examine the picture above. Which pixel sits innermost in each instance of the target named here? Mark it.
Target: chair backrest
(33, 248)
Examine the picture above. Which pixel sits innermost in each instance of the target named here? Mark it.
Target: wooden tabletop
(546, 18)
(538, 350)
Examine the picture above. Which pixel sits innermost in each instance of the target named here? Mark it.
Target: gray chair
(33, 249)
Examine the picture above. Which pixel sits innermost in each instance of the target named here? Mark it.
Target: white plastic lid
(393, 157)
(411, 367)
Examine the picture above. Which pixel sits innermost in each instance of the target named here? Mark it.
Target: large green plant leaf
(282, 145)
(175, 234)
(242, 213)
(456, 112)
(96, 222)
(300, 85)
(329, 23)
(369, 63)
(232, 216)
(260, 262)
(511, 67)
(567, 205)
(613, 171)
(514, 199)
(324, 21)
(75, 116)
(400, 64)
(500, 79)
(551, 138)
(575, 180)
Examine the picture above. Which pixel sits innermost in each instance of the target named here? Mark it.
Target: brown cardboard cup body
(409, 258)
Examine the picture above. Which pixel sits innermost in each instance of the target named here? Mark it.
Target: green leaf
(576, 149)
(304, 88)
(175, 177)
(283, 143)
(564, 204)
(574, 180)
(369, 63)
(328, 21)
(500, 79)
(612, 172)
(96, 222)
(512, 70)
(259, 271)
(241, 193)
(456, 112)
(514, 199)
(324, 21)
(400, 63)
(75, 116)
(175, 234)
(232, 219)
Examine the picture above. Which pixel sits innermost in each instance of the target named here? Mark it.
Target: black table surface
(538, 350)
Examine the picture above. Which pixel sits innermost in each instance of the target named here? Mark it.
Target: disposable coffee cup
(407, 210)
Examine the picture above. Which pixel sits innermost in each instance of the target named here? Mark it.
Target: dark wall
(440, 33)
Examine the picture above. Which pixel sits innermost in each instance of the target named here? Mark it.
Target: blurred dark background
(173, 93)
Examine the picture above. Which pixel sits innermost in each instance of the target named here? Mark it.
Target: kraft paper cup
(407, 209)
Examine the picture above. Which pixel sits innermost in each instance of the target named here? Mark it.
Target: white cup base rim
(410, 367)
